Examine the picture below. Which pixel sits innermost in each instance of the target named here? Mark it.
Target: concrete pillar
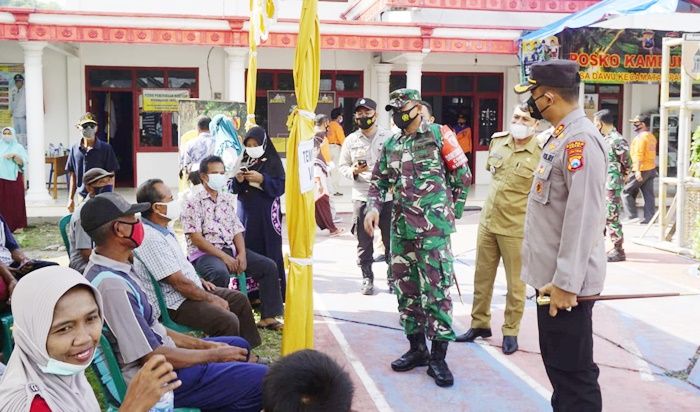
(34, 82)
(74, 98)
(414, 63)
(381, 74)
(235, 73)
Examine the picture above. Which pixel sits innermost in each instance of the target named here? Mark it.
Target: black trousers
(365, 242)
(566, 343)
(632, 189)
(260, 268)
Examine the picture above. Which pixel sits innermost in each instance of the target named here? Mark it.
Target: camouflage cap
(87, 118)
(400, 97)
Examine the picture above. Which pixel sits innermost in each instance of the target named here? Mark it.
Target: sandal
(260, 360)
(338, 232)
(276, 325)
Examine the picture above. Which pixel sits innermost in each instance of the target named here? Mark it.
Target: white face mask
(217, 181)
(520, 131)
(255, 152)
(173, 210)
(56, 367)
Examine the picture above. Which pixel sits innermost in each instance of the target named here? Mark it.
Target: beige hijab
(33, 303)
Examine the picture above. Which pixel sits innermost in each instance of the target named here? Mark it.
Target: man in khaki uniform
(513, 156)
(564, 246)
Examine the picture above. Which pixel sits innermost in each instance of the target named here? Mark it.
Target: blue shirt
(133, 327)
(80, 160)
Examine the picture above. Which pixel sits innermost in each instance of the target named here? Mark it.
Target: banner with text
(163, 100)
(606, 55)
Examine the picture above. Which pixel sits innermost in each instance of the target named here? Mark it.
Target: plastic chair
(112, 383)
(63, 228)
(165, 318)
(6, 322)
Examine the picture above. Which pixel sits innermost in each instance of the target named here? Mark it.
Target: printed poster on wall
(590, 104)
(163, 100)
(7, 87)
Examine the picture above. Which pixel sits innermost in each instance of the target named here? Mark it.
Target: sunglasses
(90, 126)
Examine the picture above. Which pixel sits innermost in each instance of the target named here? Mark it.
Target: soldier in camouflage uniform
(428, 196)
(619, 162)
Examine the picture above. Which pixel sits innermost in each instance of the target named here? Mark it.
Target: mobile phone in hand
(244, 169)
(362, 163)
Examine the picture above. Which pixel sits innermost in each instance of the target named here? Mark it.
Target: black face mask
(365, 123)
(402, 118)
(535, 112)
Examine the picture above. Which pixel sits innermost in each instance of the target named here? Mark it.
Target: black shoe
(416, 356)
(474, 333)
(437, 367)
(379, 258)
(510, 344)
(617, 255)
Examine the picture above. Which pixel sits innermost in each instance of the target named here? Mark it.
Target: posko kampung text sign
(606, 55)
(163, 100)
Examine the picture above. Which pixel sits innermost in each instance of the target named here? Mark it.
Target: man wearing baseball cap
(643, 153)
(90, 152)
(428, 195)
(563, 253)
(96, 181)
(358, 155)
(206, 367)
(18, 109)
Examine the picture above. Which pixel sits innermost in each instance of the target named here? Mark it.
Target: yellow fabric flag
(301, 223)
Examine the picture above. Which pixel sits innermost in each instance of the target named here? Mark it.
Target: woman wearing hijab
(13, 158)
(57, 329)
(259, 185)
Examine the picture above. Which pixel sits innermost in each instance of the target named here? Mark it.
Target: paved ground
(645, 348)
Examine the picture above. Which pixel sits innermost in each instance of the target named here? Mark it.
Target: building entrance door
(115, 116)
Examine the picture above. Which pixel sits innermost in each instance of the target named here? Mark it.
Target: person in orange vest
(464, 134)
(643, 153)
(336, 137)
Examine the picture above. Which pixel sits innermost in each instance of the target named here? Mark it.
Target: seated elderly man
(214, 372)
(215, 243)
(13, 263)
(96, 181)
(191, 301)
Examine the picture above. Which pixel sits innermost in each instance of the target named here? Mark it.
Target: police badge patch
(574, 155)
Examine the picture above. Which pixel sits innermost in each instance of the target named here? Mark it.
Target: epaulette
(504, 133)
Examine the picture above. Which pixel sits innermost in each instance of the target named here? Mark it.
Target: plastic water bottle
(165, 404)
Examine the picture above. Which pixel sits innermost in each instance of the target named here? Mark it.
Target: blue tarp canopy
(677, 15)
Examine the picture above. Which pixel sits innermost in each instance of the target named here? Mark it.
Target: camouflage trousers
(422, 273)
(613, 227)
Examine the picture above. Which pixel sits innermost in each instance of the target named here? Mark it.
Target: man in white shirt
(18, 107)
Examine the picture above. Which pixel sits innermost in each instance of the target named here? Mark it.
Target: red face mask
(137, 232)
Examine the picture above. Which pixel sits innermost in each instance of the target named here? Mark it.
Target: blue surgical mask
(217, 181)
(56, 367)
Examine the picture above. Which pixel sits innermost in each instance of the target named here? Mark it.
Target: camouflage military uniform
(427, 199)
(619, 163)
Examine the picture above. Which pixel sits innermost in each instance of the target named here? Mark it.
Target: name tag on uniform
(548, 156)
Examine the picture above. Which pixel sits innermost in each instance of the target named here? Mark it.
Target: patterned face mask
(402, 118)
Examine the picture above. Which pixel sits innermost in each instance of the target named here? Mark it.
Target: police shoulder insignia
(558, 131)
(574, 155)
(500, 134)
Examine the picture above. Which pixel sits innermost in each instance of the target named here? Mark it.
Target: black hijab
(269, 163)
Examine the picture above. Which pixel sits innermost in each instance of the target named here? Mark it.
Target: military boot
(367, 280)
(418, 355)
(437, 367)
(617, 255)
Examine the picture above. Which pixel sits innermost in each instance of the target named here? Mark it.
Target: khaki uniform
(564, 242)
(500, 233)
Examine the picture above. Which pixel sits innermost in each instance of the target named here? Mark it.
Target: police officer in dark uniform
(563, 252)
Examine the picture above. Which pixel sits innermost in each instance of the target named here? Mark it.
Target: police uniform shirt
(564, 242)
(512, 171)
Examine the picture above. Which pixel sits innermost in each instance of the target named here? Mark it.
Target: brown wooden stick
(544, 299)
